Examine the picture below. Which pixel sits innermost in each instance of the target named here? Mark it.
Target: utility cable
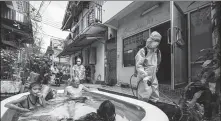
(50, 35)
(42, 2)
(51, 25)
(52, 22)
(46, 8)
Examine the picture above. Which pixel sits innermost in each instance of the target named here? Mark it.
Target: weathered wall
(133, 23)
(99, 67)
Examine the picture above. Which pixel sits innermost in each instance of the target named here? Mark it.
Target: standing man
(147, 62)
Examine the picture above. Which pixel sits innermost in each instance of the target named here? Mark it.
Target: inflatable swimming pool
(127, 109)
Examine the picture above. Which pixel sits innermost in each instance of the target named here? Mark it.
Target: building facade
(182, 25)
(57, 46)
(15, 33)
(83, 19)
(16, 26)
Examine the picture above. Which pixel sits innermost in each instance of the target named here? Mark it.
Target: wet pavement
(164, 97)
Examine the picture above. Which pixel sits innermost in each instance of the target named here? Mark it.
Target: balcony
(16, 24)
(74, 8)
(90, 23)
(18, 11)
(86, 28)
(77, 21)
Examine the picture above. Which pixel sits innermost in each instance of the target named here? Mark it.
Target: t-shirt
(75, 92)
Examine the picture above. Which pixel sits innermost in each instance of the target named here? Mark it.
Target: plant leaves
(208, 49)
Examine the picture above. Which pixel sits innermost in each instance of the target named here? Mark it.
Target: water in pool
(62, 107)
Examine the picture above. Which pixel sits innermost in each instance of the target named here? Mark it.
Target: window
(200, 35)
(91, 17)
(131, 45)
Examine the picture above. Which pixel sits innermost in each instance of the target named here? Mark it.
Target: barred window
(131, 46)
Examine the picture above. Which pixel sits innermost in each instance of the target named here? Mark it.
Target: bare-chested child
(74, 90)
(28, 102)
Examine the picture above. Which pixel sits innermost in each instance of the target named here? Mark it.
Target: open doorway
(164, 72)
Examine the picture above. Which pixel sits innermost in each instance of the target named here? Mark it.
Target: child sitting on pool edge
(28, 102)
(74, 90)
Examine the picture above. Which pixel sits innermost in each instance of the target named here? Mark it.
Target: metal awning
(113, 22)
(15, 30)
(79, 43)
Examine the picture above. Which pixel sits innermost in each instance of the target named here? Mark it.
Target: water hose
(132, 86)
(159, 92)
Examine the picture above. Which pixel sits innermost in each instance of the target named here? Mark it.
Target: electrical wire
(50, 35)
(42, 2)
(44, 33)
(46, 20)
(51, 25)
(46, 8)
(50, 21)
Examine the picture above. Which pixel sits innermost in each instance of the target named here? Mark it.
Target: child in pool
(106, 112)
(28, 102)
(74, 90)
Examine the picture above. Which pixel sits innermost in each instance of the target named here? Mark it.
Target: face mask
(152, 43)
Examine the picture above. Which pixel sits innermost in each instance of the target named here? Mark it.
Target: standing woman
(78, 73)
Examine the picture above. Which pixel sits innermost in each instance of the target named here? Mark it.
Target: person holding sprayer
(147, 63)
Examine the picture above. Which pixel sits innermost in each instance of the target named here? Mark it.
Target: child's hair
(107, 111)
(72, 82)
(34, 84)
